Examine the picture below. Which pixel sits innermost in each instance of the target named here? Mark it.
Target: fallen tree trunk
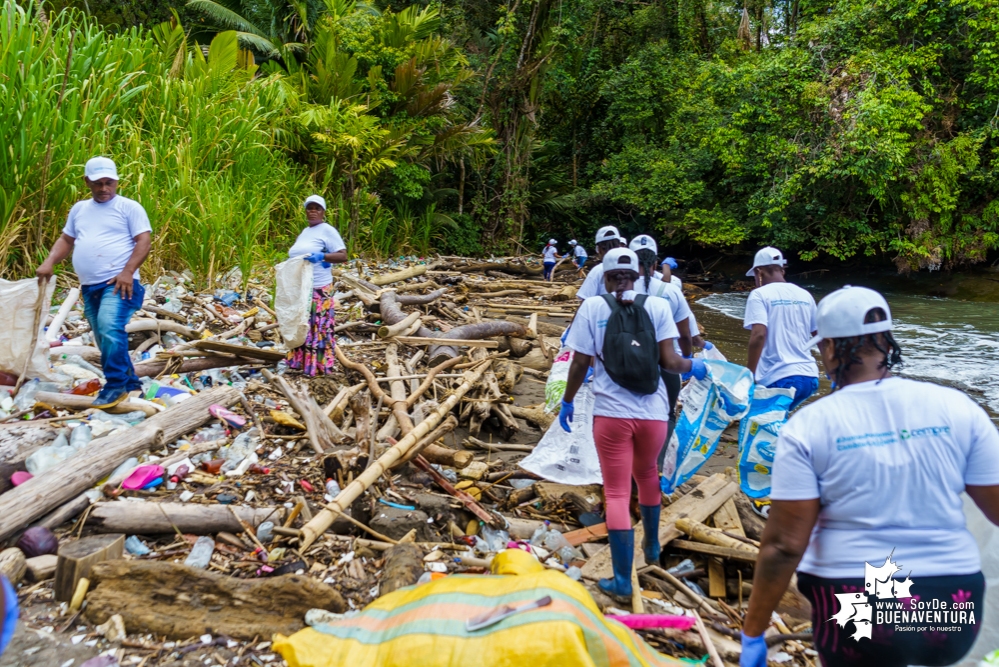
(73, 402)
(154, 368)
(136, 326)
(50, 489)
(399, 327)
(507, 267)
(476, 331)
(405, 274)
(324, 519)
(161, 518)
(419, 299)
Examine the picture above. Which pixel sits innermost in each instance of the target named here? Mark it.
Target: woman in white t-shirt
(549, 256)
(868, 477)
(629, 428)
(321, 244)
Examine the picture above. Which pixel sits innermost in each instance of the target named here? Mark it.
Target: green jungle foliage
(832, 129)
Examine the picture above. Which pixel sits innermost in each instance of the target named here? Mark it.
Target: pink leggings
(628, 448)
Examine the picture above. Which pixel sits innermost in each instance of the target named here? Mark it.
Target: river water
(943, 339)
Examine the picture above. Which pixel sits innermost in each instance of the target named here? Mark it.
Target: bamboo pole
(324, 519)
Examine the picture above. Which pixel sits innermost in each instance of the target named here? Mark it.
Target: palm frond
(223, 17)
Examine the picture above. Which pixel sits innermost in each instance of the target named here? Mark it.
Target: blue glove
(589, 374)
(708, 345)
(697, 370)
(754, 651)
(565, 415)
(316, 257)
(9, 622)
(327, 265)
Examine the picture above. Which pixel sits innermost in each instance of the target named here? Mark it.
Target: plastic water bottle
(496, 538)
(538, 538)
(135, 546)
(201, 553)
(80, 437)
(82, 363)
(25, 398)
(332, 488)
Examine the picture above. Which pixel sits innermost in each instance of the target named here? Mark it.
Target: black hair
(647, 259)
(846, 350)
(607, 246)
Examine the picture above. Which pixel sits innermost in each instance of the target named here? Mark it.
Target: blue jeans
(803, 385)
(548, 269)
(108, 313)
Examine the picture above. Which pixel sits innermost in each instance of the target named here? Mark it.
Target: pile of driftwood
(396, 465)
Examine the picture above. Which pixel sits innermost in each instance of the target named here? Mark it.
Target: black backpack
(631, 351)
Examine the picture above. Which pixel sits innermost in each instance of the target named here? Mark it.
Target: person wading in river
(873, 473)
(628, 337)
(109, 237)
(321, 244)
(607, 239)
(781, 319)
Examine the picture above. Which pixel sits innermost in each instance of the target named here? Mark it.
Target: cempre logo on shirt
(892, 602)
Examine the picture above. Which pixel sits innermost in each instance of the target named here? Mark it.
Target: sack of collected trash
(709, 406)
(557, 378)
(758, 438)
(429, 626)
(18, 303)
(568, 458)
(293, 300)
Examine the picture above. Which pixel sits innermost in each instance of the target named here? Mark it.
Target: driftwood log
(50, 489)
(79, 403)
(163, 518)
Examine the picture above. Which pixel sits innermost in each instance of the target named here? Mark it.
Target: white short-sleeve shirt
(322, 238)
(788, 312)
(104, 236)
(888, 460)
(579, 251)
(549, 253)
(593, 285)
(586, 336)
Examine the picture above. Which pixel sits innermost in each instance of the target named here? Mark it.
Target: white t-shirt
(105, 236)
(676, 281)
(678, 305)
(593, 285)
(788, 312)
(549, 253)
(888, 460)
(579, 251)
(586, 336)
(322, 238)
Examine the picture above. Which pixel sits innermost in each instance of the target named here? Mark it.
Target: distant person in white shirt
(607, 239)
(875, 471)
(781, 319)
(321, 244)
(549, 256)
(579, 257)
(109, 237)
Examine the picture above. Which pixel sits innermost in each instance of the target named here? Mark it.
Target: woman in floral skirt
(321, 244)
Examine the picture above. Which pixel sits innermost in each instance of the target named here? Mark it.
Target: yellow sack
(424, 626)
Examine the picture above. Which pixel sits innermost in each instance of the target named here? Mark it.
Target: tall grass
(194, 147)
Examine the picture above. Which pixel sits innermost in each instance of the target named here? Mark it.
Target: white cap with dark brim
(768, 256)
(608, 233)
(620, 258)
(842, 313)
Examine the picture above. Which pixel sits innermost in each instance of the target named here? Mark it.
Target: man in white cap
(579, 257)
(109, 237)
(607, 239)
(872, 472)
(781, 319)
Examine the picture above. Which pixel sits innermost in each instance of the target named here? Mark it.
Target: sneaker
(108, 398)
(762, 507)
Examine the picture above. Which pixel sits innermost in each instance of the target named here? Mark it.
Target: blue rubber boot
(622, 545)
(650, 522)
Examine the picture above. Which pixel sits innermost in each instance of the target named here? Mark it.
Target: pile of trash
(233, 501)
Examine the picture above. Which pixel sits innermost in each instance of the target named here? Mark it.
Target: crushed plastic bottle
(77, 360)
(555, 542)
(213, 432)
(25, 398)
(201, 553)
(49, 456)
(682, 568)
(135, 546)
(265, 531)
(495, 538)
(574, 573)
(80, 437)
(538, 538)
(241, 447)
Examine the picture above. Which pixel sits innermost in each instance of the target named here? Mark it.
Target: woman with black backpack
(628, 337)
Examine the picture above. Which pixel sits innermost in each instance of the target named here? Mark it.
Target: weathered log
(158, 326)
(161, 518)
(701, 533)
(78, 403)
(476, 331)
(752, 523)
(50, 489)
(399, 328)
(428, 440)
(155, 367)
(419, 299)
(324, 519)
(404, 274)
(567, 293)
(543, 327)
(403, 566)
(181, 602)
(13, 565)
(508, 267)
(445, 456)
(322, 432)
(534, 414)
(76, 559)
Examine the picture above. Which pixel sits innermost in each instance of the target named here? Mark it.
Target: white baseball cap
(767, 257)
(643, 242)
(620, 258)
(608, 233)
(841, 314)
(552, 242)
(315, 199)
(100, 167)
(572, 242)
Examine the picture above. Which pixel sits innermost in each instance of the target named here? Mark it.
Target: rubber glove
(754, 651)
(565, 415)
(697, 370)
(589, 374)
(316, 257)
(327, 265)
(708, 345)
(9, 622)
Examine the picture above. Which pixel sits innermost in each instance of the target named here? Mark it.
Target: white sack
(569, 458)
(293, 300)
(17, 311)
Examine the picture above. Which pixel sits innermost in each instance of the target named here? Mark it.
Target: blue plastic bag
(709, 406)
(758, 438)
